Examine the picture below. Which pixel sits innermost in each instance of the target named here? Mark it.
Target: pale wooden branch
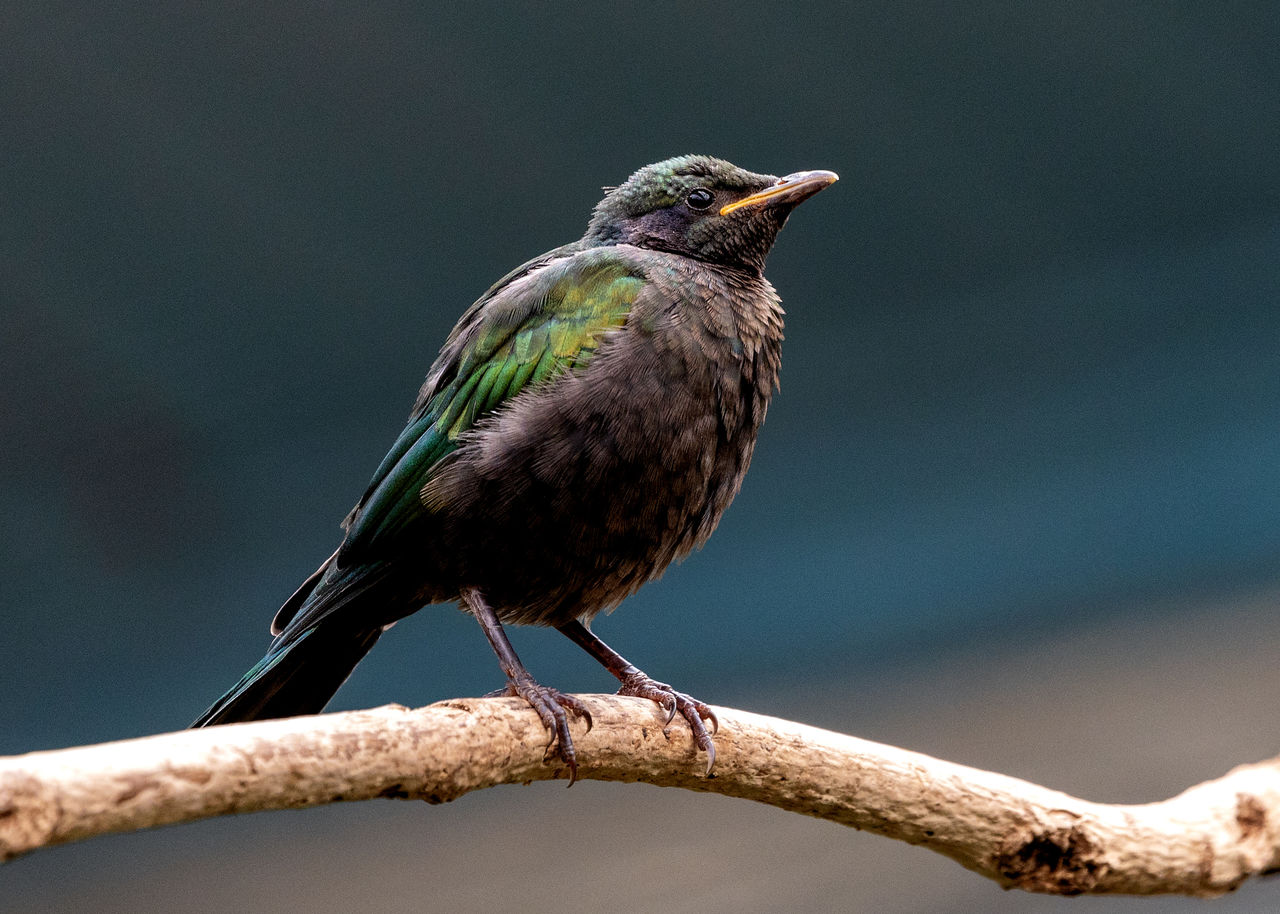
(1205, 841)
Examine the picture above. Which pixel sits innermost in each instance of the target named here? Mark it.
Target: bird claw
(551, 705)
(693, 711)
(669, 704)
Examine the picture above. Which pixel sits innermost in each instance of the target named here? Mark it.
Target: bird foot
(551, 705)
(693, 711)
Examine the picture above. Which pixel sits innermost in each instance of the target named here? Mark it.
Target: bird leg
(550, 704)
(636, 683)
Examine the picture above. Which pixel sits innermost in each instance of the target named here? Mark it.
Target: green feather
(514, 342)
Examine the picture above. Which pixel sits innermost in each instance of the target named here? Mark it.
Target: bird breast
(573, 495)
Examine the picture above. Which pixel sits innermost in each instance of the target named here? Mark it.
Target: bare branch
(1205, 841)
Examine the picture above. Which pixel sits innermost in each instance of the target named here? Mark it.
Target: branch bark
(1203, 842)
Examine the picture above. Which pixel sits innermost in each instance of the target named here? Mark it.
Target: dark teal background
(1017, 504)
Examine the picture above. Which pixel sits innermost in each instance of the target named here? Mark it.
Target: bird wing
(519, 336)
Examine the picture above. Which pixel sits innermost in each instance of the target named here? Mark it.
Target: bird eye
(700, 198)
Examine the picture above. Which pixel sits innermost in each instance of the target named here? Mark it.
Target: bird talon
(568, 757)
(550, 705)
(672, 702)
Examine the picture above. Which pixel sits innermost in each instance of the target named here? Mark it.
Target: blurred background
(1017, 504)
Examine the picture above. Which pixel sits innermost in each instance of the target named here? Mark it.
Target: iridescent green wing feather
(519, 336)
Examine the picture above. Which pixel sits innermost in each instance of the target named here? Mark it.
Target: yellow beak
(791, 189)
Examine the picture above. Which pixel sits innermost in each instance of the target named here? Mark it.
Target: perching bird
(586, 423)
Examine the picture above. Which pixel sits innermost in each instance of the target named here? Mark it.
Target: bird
(585, 424)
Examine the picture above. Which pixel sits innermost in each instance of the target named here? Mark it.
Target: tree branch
(1205, 841)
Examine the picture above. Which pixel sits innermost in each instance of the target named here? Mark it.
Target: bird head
(702, 207)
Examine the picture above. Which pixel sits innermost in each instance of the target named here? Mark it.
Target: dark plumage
(586, 423)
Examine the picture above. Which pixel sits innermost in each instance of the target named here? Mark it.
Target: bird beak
(789, 190)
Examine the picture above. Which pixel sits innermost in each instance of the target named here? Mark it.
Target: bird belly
(570, 498)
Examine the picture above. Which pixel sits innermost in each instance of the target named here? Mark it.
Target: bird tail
(296, 677)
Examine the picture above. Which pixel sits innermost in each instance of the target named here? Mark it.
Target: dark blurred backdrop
(1018, 503)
